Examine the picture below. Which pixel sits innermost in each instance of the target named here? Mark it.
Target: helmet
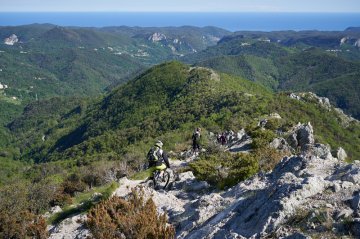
(159, 144)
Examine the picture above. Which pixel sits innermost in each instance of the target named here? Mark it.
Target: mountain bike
(158, 180)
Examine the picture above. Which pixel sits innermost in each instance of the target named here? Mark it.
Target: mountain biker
(157, 158)
(196, 139)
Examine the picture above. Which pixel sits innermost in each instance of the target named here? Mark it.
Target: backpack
(196, 137)
(154, 154)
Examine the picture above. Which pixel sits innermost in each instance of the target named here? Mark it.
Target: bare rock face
(11, 40)
(343, 40)
(280, 144)
(341, 154)
(258, 211)
(70, 228)
(297, 235)
(355, 202)
(318, 150)
(302, 135)
(357, 43)
(156, 37)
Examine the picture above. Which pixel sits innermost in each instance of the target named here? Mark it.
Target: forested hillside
(41, 61)
(171, 97)
(326, 63)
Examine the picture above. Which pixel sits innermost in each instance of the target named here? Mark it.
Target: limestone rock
(344, 213)
(352, 176)
(355, 202)
(187, 182)
(294, 96)
(70, 228)
(297, 235)
(156, 37)
(241, 135)
(280, 144)
(274, 116)
(318, 150)
(357, 43)
(341, 154)
(302, 135)
(11, 40)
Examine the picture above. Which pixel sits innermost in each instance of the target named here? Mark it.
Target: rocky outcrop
(345, 119)
(324, 102)
(341, 154)
(357, 43)
(2, 87)
(280, 144)
(156, 37)
(301, 135)
(343, 40)
(310, 96)
(264, 204)
(11, 40)
(70, 228)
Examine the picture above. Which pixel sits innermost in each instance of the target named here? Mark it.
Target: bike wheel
(161, 182)
(155, 179)
(166, 179)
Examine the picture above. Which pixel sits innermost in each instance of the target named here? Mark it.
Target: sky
(180, 6)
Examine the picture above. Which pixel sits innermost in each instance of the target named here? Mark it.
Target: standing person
(196, 140)
(223, 139)
(158, 158)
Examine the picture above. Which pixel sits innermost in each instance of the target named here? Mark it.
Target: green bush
(262, 138)
(73, 184)
(268, 157)
(225, 169)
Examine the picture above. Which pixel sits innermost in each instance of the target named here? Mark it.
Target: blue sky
(180, 5)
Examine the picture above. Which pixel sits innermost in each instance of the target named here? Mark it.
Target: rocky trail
(315, 191)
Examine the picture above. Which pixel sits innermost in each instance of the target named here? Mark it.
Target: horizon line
(292, 12)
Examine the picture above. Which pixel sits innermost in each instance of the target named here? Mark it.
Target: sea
(230, 21)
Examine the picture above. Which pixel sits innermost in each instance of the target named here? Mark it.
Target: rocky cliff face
(313, 193)
(11, 40)
(156, 37)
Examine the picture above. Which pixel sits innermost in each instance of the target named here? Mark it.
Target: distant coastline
(229, 21)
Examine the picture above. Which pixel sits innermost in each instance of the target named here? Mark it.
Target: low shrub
(60, 199)
(73, 184)
(22, 225)
(225, 169)
(262, 138)
(133, 218)
(268, 157)
(16, 219)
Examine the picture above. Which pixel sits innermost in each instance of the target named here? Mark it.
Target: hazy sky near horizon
(180, 6)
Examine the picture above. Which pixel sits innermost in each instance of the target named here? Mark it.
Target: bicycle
(158, 181)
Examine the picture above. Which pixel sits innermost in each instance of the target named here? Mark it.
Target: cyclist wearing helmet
(157, 157)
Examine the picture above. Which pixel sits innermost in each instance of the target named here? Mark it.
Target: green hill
(166, 102)
(51, 61)
(288, 68)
